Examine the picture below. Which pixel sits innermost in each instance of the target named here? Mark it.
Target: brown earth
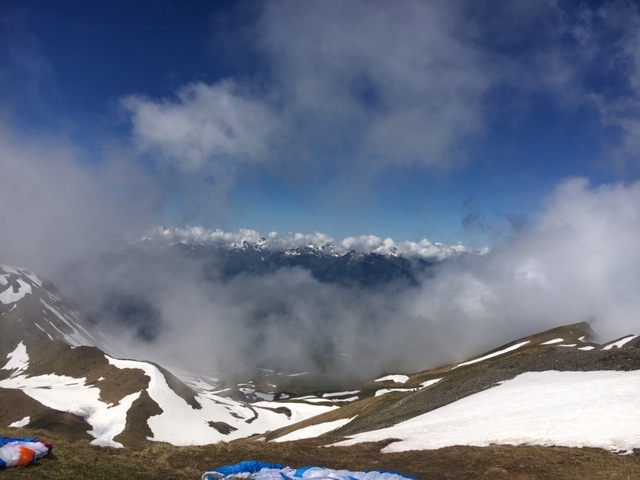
(15, 405)
(77, 460)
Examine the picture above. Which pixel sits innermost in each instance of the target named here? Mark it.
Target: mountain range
(60, 372)
(364, 261)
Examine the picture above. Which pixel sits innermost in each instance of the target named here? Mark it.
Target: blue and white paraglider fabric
(15, 452)
(271, 471)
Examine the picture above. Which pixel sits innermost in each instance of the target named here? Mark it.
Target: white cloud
(55, 209)
(401, 84)
(351, 89)
(580, 263)
(375, 85)
(206, 128)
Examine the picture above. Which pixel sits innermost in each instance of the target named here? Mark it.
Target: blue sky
(452, 121)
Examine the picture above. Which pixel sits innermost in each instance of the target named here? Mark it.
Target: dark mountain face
(133, 312)
(351, 269)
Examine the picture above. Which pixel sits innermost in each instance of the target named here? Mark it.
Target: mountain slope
(34, 312)
(595, 409)
(412, 403)
(53, 375)
(52, 357)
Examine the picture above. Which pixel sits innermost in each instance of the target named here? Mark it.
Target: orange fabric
(26, 456)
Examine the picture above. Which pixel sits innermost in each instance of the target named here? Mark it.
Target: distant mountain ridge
(314, 243)
(364, 261)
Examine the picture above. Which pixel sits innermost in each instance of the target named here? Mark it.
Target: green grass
(71, 460)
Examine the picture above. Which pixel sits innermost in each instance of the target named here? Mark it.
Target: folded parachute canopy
(16, 452)
(271, 471)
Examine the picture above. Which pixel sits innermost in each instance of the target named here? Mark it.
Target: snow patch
(313, 431)
(300, 374)
(384, 391)
(68, 394)
(11, 296)
(34, 278)
(619, 343)
(341, 394)
(20, 423)
(345, 400)
(494, 354)
(18, 359)
(43, 331)
(572, 409)
(9, 269)
(313, 399)
(393, 378)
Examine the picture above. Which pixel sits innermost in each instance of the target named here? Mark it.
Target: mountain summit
(316, 242)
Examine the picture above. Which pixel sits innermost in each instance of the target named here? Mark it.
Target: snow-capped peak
(293, 243)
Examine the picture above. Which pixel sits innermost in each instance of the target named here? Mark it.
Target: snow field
(193, 427)
(572, 409)
(68, 394)
(313, 431)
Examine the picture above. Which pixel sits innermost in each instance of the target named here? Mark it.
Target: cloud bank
(362, 86)
(577, 262)
(206, 128)
(55, 209)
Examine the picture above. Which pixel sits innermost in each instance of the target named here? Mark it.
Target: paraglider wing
(15, 452)
(269, 471)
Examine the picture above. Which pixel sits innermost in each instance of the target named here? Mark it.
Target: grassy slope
(79, 460)
(392, 408)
